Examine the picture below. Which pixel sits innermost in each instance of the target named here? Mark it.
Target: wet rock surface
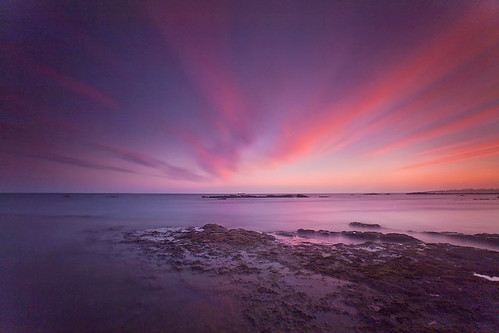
(483, 237)
(390, 283)
(361, 235)
(364, 225)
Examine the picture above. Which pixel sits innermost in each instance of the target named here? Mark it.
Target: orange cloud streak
(464, 154)
(459, 45)
(487, 115)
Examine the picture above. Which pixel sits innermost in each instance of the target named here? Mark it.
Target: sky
(248, 96)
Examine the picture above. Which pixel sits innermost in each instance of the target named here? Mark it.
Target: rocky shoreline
(390, 282)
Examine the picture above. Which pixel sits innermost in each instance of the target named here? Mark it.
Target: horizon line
(450, 191)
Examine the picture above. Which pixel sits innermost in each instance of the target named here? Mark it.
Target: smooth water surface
(461, 213)
(57, 273)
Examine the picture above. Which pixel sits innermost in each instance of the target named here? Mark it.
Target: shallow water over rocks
(389, 284)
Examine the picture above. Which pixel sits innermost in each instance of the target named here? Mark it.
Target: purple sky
(253, 96)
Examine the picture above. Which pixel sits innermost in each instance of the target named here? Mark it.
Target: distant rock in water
(481, 238)
(305, 231)
(364, 225)
(251, 196)
(285, 234)
(363, 235)
(390, 237)
(399, 238)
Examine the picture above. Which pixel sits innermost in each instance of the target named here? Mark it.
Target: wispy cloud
(81, 88)
(220, 160)
(458, 155)
(200, 38)
(73, 161)
(229, 91)
(490, 114)
(165, 169)
(436, 81)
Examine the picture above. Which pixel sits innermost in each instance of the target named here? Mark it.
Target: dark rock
(371, 235)
(399, 238)
(480, 238)
(489, 238)
(246, 196)
(214, 233)
(305, 231)
(278, 196)
(230, 196)
(214, 228)
(285, 234)
(364, 225)
(363, 235)
(393, 283)
(367, 235)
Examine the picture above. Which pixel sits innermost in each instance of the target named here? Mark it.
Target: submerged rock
(390, 237)
(285, 234)
(399, 238)
(363, 235)
(367, 235)
(305, 231)
(364, 225)
(481, 238)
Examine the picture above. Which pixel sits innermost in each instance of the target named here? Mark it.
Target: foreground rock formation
(391, 282)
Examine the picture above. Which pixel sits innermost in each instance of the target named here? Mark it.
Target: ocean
(61, 267)
(398, 212)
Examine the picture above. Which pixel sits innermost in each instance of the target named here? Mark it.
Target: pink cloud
(198, 33)
(221, 159)
(488, 115)
(418, 82)
(164, 168)
(463, 154)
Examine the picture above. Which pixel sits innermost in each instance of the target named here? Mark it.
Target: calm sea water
(401, 212)
(57, 274)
